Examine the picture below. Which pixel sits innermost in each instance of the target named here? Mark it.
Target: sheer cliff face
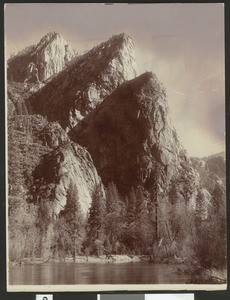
(66, 166)
(40, 62)
(130, 137)
(89, 79)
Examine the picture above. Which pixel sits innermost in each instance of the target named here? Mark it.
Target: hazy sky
(183, 44)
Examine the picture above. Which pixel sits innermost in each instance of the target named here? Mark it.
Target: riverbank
(207, 276)
(210, 276)
(105, 259)
(86, 259)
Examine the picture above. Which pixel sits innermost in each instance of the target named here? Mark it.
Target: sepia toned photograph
(116, 165)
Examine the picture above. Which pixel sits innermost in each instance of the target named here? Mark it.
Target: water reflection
(71, 273)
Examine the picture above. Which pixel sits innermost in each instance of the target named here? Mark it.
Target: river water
(86, 273)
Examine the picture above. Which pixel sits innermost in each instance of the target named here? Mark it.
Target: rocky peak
(41, 61)
(130, 138)
(91, 77)
(50, 36)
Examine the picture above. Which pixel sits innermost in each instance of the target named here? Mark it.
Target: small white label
(44, 297)
(169, 296)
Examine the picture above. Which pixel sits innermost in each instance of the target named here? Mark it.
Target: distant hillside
(217, 164)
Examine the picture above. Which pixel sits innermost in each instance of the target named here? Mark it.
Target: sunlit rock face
(67, 167)
(90, 78)
(39, 62)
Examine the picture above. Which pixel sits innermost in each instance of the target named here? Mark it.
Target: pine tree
(210, 246)
(73, 218)
(218, 200)
(131, 209)
(129, 237)
(200, 211)
(143, 227)
(95, 229)
(153, 204)
(23, 232)
(113, 217)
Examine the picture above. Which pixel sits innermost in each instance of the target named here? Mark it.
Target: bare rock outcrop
(65, 167)
(39, 62)
(132, 141)
(90, 78)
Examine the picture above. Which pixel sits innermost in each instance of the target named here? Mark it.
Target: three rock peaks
(100, 122)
